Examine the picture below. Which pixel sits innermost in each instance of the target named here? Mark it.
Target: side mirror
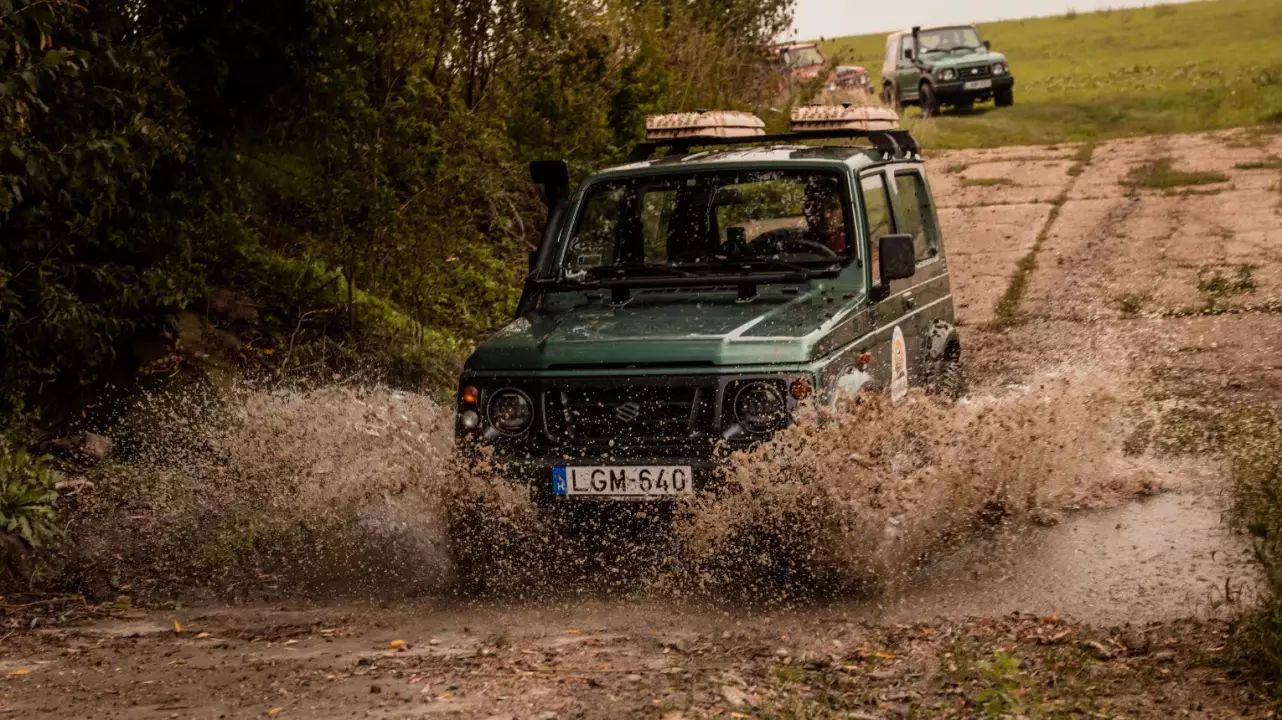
(908, 53)
(897, 259)
(988, 45)
(554, 176)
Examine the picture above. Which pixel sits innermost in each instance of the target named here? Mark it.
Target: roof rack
(891, 142)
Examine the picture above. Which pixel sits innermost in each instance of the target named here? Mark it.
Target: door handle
(910, 302)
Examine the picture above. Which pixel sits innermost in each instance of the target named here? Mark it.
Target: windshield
(805, 57)
(946, 39)
(751, 220)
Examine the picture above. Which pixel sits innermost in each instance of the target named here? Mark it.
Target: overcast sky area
(834, 18)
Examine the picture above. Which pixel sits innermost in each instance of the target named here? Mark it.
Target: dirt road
(1175, 291)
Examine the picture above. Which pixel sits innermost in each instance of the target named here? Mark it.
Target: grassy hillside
(1167, 68)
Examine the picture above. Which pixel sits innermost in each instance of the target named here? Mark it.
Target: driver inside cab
(824, 218)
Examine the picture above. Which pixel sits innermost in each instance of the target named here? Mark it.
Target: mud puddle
(1165, 557)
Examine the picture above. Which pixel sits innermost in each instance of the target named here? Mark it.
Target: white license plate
(977, 85)
(623, 481)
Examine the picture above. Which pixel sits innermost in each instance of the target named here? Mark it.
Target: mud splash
(355, 492)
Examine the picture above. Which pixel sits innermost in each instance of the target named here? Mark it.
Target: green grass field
(1161, 69)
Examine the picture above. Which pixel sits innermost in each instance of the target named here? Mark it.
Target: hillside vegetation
(1085, 76)
(296, 186)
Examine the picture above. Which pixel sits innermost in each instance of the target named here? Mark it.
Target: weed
(956, 168)
(1007, 310)
(1218, 282)
(1160, 175)
(1082, 158)
(988, 182)
(789, 674)
(1071, 14)
(1257, 509)
(27, 495)
(1164, 10)
(1004, 694)
(1132, 303)
(1272, 162)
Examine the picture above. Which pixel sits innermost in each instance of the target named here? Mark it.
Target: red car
(805, 61)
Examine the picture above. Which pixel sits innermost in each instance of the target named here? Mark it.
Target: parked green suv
(953, 67)
(684, 305)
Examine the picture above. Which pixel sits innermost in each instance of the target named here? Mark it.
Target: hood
(665, 328)
(967, 59)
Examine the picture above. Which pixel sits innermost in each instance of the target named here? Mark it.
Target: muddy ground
(1118, 609)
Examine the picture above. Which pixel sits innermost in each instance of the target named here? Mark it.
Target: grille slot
(976, 72)
(588, 414)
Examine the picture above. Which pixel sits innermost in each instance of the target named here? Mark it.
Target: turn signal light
(864, 359)
(801, 388)
(469, 395)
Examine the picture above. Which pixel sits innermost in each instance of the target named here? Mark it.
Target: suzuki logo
(628, 412)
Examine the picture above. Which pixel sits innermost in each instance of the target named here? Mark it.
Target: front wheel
(929, 103)
(890, 97)
(1004, 98)
(950, 378)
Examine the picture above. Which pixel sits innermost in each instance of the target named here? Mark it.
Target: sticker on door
(898, 366)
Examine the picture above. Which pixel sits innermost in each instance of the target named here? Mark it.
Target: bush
(1257, 507)
(27, 496)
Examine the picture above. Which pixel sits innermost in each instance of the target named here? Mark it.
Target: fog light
(469, 419)
(801, 388)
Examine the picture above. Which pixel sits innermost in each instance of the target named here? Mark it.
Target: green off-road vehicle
(932, 67)
(683, 305)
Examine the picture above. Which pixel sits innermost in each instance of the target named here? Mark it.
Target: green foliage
(1257, 509)
(354, 170)
(27, 496)
(1159, 174)
(1002, 696)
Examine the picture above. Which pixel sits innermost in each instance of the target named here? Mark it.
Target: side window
(916, 217)
(905, 44)
(877, 219)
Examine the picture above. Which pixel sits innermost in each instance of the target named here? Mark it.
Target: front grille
(599, 414)
(975, 73)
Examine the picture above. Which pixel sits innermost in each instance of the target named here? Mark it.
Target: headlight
(946, 74)
(510, 411)
(999, 68)
(760, 407)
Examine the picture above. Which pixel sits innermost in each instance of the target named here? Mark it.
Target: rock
(375, 689)
(86, 447)
(1165, 656)
(1097, 650)
(734, 695)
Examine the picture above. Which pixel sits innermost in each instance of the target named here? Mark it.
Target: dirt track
(1175, 291)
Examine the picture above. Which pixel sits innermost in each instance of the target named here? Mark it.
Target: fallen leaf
(178, 627)
(275, 711)
(20, 671)
(396, 645)
(202, 636)
(269, 351)
(572, 632)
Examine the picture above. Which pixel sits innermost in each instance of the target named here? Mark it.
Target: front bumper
(956, 90)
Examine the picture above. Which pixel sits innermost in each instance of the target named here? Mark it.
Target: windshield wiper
(619, 271)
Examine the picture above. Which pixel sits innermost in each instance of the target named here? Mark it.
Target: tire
(950, 377)
(890, 97)
(1004, 98)
(929, 103)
